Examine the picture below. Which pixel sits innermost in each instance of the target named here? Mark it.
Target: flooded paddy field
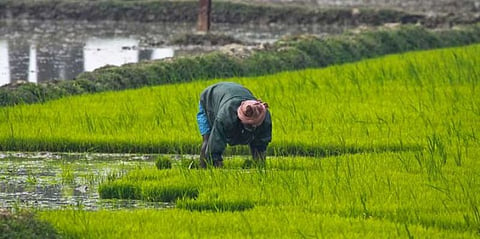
(55, 181)
(39, 51)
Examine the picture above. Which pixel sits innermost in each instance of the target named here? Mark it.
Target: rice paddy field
(381, 148)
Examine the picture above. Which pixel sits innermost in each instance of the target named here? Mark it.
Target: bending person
(230, 114)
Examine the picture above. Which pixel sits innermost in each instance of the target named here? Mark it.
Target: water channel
(55, 180)
(39, 51)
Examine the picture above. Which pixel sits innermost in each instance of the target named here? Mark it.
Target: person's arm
(263, 136)
(203, 161)
(258, 153)
(216, 142)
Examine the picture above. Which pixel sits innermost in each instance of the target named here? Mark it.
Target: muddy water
(39, 51)
(46, 180)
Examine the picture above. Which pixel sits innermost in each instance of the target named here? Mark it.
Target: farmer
(230, 114)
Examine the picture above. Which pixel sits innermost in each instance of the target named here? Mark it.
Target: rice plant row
(316, 196)
(411, 121)
(394, 103)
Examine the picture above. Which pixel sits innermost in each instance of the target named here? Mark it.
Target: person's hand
(214, 159)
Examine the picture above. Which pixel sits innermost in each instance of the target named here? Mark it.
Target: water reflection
(4, 63)
(65, 180)
(23, 61)
(161, 53)
(101, 52)
(32, 65)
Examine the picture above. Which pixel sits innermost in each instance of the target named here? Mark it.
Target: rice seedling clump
(163, 162)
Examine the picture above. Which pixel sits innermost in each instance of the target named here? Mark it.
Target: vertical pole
(204, 16)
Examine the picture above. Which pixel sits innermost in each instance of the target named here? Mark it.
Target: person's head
(252, 113)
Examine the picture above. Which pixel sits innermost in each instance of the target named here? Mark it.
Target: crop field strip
(299, 195)
(394, 140)
(393, 103)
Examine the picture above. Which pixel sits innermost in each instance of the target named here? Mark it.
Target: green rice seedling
(31, 179)
(214, 205)
(168, 193)
(390, 103)
(113, 175)
(67, 173)
(362, 193)
(90, 178)
(359, 185)
(147, 190)
(152, 174)
(277, 222)
(359, 150)
(163, 162)
(119, 190)
(189, 163)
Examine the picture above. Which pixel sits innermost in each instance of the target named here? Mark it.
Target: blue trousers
(202, 121)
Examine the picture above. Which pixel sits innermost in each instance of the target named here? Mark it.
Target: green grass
(24, 224)
(368, 195)
(214, 205)
(394, 139)
(268, 222)
(163, 162)
(393, 103)
(147, 191)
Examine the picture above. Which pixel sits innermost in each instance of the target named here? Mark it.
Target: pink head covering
(252, 112)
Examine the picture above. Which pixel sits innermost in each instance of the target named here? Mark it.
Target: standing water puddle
(53, 181)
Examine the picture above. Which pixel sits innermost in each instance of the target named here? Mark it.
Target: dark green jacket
(221, 102)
